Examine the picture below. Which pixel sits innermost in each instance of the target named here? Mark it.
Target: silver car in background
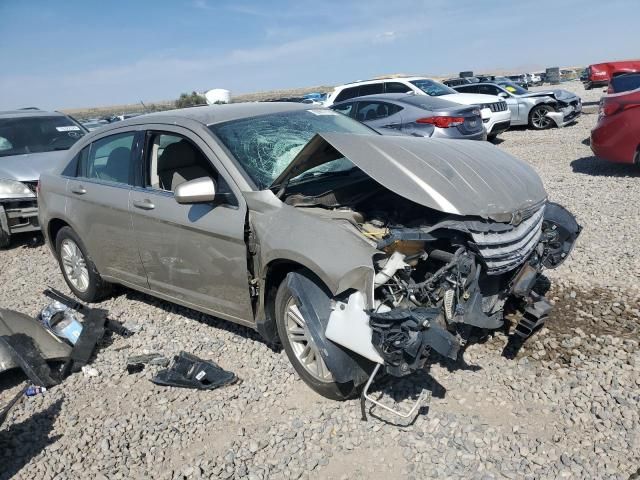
(355, 251)
(31, 142)
(538, 110)
(418, 115)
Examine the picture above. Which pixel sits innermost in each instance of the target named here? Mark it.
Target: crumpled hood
(558, 94)
(460, 177)
(29, 166)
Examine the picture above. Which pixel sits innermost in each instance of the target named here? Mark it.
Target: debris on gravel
(565, 407)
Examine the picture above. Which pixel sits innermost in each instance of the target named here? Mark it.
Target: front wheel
(78, 269)
(5, 238)
(302, 351)
(538, 117)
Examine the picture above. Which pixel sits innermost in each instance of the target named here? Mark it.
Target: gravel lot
(565, 407)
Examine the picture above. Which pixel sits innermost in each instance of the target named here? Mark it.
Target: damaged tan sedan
(356, 251)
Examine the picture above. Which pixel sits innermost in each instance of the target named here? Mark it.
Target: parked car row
(502, 104)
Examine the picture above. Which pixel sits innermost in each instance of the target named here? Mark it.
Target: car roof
(379, 80)
(379, 96)
(410, 99)
(29, 113)
(213, 114)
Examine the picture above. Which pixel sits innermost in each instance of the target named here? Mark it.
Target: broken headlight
(559, 233)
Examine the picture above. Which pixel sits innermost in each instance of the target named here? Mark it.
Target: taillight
(442, 122)
(610, 106)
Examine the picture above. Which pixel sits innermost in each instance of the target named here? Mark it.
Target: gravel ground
(565, 407)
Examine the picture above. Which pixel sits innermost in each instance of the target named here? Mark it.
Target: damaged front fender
(284, 232)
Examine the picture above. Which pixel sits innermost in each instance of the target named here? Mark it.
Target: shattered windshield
(37, 134)
(265, 145)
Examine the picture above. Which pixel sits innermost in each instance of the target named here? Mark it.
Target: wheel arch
(274, 274)
(52, 229)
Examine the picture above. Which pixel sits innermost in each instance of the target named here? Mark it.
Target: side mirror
(199, 190)
(503, 95)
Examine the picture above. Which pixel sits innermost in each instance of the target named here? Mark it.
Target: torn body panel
(284, 232)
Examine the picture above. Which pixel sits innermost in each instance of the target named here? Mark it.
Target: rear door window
(489, 89)
(346, 94)
(371, 89)
(396, 87)
(625, 83)
(110, 159)
(468, 88)
(376, 110)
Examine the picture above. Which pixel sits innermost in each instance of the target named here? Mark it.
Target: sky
(58, 54)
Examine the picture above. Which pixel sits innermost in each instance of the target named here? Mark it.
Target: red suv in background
(599, 74)
(616, 136)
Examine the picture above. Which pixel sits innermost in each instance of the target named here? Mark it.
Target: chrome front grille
(496, 106)
(503, 251)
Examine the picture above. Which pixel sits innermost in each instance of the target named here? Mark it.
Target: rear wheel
(302, 351)
(78, 269)
(538, 117)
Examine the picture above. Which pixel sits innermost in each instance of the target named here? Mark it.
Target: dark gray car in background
(31, 142)
(418, 115)
(310, 228)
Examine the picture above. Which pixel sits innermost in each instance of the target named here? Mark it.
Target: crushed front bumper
(19, 215)
(566, 115)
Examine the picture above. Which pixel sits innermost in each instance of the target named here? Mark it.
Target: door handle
(144, 204)
(79, 190)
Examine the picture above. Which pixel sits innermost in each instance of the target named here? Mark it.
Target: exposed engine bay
(439, 278)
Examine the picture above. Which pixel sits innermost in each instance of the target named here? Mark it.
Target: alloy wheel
(303, 345)
(539, 118)
(74, 265)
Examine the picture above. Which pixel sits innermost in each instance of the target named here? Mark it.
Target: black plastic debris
(92, 332)
(136, 363)
(27, 356)
(189, 371)
(12, 403)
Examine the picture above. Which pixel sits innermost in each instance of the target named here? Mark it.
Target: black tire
(329, 389)
(5, 238)
(97, 288)
(540, 110)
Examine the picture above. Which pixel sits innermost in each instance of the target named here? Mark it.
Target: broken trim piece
(189, 371)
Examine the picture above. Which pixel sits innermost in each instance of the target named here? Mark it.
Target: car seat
(179, 163)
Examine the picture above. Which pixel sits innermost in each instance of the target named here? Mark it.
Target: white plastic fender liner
(349, 326)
